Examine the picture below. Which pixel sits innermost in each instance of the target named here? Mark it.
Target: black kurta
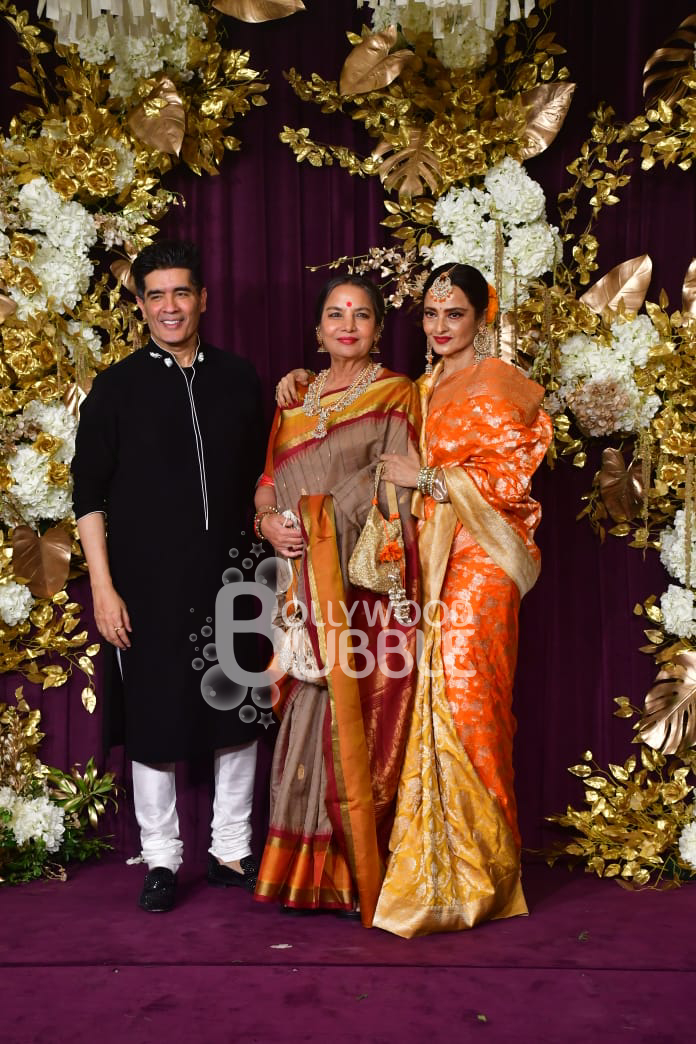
(172, 457)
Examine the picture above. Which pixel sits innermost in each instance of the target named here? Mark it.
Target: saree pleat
(340, 745)
(455, 844)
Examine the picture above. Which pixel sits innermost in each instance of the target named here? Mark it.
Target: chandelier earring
(428, 357)
(483, 343)
(320, 341)
(374, 350)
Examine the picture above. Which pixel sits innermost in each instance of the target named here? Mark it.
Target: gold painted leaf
(122, 272)
(411, 168)
(689, 289)
(75, 394)
(547, 107)
(160, 120)
(258, 10)
(669, 718)
(370, 66)
(666, 70)
(628, 282)
(42, 561)
(621, 488)
(89, 699)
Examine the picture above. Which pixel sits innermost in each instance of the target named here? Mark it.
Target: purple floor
(80, 963)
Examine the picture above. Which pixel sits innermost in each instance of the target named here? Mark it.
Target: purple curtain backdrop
(265, 219)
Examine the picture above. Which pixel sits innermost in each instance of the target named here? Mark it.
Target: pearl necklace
(312, 404)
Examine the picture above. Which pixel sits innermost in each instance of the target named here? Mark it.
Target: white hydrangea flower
(15, 605)
(65, 232)
(469, 218)
(35, 495)
(57, 420)
(687, 844)
(38, 819)
(677, 605)
(516, 197)
(594, 376)
(672, 550)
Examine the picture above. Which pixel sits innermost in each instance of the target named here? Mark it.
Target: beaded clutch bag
(377, 561)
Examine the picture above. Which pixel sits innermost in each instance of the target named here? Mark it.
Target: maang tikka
(441, 288)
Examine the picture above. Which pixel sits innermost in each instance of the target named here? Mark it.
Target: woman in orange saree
(342, 736)
(455, 845)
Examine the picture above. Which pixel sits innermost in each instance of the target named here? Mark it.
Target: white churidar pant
(154, 796)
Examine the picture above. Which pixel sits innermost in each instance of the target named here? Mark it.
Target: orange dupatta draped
(455, 843)
(340, 745)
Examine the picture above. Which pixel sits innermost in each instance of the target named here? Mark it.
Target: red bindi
(348, 304)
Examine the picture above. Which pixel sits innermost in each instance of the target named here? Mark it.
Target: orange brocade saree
(340, 744)
(455, 844)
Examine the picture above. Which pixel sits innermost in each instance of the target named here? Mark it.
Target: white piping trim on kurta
(198, 439)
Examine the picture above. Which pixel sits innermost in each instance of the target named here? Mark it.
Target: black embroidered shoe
(224, 877)
(159, 890)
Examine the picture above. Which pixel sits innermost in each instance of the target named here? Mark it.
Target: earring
(374, 350)
(428, 357)
(483, 343)
(320, 341)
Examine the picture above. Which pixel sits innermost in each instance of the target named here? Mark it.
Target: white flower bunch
(34, 819)
(64, 233)
(35, 496)
(32, 492)
(672, 551)
(136, 57)
(678, 611)
(462, 36)
(687, 844)
(597, 380)
(15, 604)
(82, 337)
(55, 419)
(469, 217)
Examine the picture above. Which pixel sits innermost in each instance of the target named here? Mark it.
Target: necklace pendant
(320, 430)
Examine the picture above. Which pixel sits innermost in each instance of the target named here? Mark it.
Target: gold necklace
(312, 405)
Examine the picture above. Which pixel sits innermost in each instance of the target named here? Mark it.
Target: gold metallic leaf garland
(634, 816)
(439, 126)
(77, 138)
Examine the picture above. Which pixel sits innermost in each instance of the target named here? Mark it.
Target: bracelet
(426, 477)
(260, 515)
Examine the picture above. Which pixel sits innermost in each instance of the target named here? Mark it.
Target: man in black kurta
(169, 446)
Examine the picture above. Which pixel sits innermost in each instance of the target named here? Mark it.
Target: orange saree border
(349, 796)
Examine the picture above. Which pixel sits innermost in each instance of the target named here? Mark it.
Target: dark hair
(167, 253)
(468, 279)
(374, 293)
